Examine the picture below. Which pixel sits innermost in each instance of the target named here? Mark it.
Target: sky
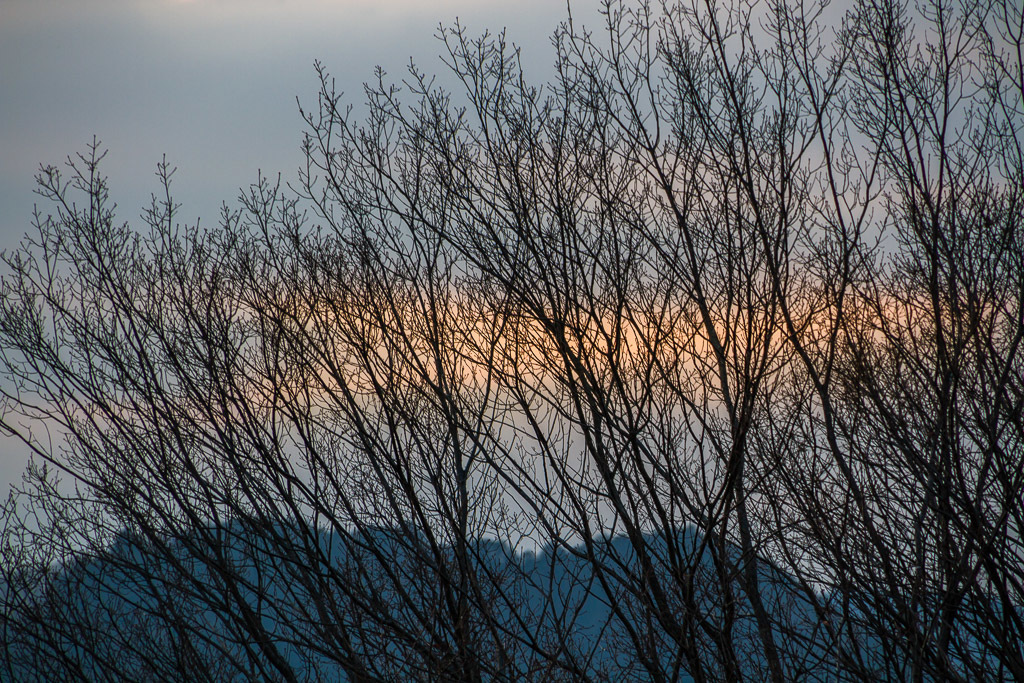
(210, 83)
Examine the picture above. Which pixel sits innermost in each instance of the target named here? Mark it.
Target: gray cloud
(211, 83)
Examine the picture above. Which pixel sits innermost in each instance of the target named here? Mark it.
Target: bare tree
(701, 361)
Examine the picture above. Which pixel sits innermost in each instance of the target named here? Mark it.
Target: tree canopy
(700, 361)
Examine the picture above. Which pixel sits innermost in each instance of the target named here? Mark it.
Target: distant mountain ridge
(330, 611)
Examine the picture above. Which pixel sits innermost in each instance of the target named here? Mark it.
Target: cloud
(211, 83)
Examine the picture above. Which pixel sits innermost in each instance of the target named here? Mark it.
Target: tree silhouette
(701, 361)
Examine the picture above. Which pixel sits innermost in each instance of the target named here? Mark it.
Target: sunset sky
(210, 83)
